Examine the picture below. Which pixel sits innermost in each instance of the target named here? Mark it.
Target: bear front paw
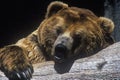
(20, 74)
(15, 63)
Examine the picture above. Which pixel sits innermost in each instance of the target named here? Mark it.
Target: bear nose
(60, 53)
(60, 48)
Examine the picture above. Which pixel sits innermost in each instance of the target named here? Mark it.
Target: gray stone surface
(105, 65)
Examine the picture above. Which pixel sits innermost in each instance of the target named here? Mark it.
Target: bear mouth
(60, 53)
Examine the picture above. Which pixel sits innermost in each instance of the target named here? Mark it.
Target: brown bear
(64, 33)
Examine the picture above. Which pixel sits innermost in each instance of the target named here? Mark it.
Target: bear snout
(62, 47)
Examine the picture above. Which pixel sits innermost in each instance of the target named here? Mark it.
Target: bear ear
(54, 7)
(106, 24)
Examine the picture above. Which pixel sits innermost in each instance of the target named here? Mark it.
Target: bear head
(69, 31)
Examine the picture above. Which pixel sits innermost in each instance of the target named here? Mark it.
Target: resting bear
(64, 33)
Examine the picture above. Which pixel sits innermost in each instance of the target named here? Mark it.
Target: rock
(103, 65)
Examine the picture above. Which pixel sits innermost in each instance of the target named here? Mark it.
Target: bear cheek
(50, 39)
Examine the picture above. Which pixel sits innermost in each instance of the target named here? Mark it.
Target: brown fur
(80, 30)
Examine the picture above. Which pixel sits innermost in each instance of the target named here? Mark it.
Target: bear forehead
(73, 19)
(76, 14)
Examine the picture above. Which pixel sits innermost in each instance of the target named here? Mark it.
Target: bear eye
(77, 37)
(59, 31)
(77, 41)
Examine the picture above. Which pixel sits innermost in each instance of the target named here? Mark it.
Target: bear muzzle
(62, 47)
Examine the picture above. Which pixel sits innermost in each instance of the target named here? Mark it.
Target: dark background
(21, 17)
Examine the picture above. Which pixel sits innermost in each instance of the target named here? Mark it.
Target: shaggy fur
(64, 33)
